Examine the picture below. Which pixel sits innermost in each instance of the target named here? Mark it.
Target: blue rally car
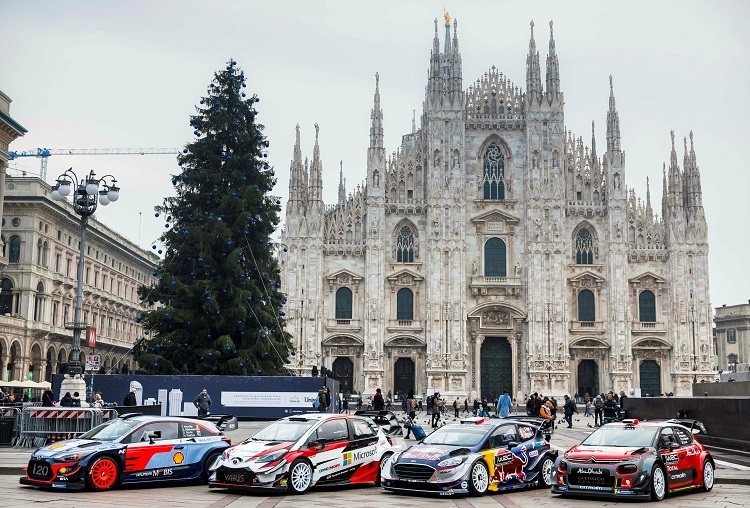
(474, 456)
(131, 449)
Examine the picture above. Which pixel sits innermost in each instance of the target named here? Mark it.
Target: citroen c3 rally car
(637, 460)
(474, 456)
(297, 452)
(131, 449)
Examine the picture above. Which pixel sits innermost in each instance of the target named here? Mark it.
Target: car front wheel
(300, 476)
(658, 483)
(479, 479)
(381, 465)
(103, 473)
(708, 476)
(545, 473)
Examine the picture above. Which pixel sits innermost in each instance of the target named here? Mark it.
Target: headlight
(452, 462)
(273, 456)
(70, 457)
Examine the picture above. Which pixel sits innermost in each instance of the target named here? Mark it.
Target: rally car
(301, 451)
(131, 449)
(474, 456)
(637, 460)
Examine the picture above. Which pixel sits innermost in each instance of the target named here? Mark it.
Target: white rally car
(298, 452)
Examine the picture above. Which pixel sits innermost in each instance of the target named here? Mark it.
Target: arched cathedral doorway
(496, 367)
(650, 378)
(588, 378)
(403, 377)
(343, 367)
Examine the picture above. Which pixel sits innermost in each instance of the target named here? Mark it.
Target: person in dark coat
(130, 399)
(569, 408)
(76, 399)
(378, 403)
(67, 400)
(203, 403)
(48, 398)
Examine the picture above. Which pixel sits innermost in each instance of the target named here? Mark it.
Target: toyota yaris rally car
(632, 459)
(474, 456)
(130, 449)
(298, 452)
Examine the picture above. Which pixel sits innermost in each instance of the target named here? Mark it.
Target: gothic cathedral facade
(494, 250)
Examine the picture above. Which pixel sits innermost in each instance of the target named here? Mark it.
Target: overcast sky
(92, 74)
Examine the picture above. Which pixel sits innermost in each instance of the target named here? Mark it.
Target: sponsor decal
(464, 485)
(562, 488)
(671, 469)
(57, 446)
(62, 478)
(503, 458)
(283, 482)
(234, 478)
(626, 482)
(60, 485)
(155, 473)
(682, 475)
(421, 455)
(348, 458)
(692, 452)
(363, 455)
(533, 453)
(178, 458)
(670, 458)
(591, 487)
(624, 491)
(589, 470)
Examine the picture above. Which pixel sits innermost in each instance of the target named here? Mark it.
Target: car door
(689, 454)
(675, 458)
(195, 442)
(151, 453)
(506, 454)
(361, 453)
(330, 440)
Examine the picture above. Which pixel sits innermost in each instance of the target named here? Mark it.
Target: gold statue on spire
(447, 17)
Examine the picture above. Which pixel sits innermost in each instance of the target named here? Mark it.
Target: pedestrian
(327, 396)
(435, 410)
(587, 411)
(537, 407)
(466, 405)
(76, 400)
(545, 411)
(98, 402)
(569, 408)
(130, 399)
(48, 398)
(515, 407)
(203, 403)
(503, 404)
(411, 405)
(476, 407)
(598, 404)
(378, 404)
(359, 403)
(345, 406)
(456, 407)
(610, 408)
(67, 400)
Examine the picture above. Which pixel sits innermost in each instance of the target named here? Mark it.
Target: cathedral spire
(533, 74)
(316, 171)
(695, 193)
(613, 122)
(664, 203)
(553, 69)
(447, 50)
(675, 191)
(342, 185)
(376, 125)
(296, 184)
(649, 210)
(594, 159)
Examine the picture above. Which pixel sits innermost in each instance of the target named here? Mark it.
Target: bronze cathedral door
(496, 367)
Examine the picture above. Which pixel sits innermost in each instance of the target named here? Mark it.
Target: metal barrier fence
(8, 424)
(38, 426)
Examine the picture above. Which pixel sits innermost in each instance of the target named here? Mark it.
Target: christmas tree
(216, 307)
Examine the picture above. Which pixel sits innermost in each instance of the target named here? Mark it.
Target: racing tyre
(658, 483)
(383, 460)
(708, 475)
(209, 461)
(103, 473)
(479, 479)
(300, 477)
(546, 472)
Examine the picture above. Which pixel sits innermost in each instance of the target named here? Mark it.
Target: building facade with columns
(496, 250)
(732, 336)
(9, 131)
(40, 241)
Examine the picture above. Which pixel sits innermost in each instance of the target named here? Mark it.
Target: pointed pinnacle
(317, 129)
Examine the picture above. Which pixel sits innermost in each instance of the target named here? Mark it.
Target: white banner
(268, 399)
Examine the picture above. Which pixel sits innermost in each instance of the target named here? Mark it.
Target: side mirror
(154, 435)
(696, 430)
(512, 444)
(316, 445)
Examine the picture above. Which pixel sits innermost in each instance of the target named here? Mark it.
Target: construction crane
(46, 153)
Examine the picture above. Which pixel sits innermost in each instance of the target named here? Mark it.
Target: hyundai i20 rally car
(474, 456)
(130, 449)
(298, 452)
(637, 460)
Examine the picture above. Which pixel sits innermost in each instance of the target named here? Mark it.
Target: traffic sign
(93, 362)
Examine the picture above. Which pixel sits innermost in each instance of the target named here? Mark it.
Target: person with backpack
(598, 406)
(411, 404)
(456, 407)
(378, 404)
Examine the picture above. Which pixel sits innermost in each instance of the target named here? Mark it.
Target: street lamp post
(87, 195)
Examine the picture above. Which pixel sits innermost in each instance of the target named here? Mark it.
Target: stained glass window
(494, 173)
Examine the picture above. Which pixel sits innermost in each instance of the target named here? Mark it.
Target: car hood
(70, 446)
(431, 454)
(252, 450)
(585, 453)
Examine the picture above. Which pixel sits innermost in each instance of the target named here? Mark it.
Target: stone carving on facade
(344, 279)
(495, 318)
(342, 351)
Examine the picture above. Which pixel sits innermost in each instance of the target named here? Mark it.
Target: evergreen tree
(217, 305)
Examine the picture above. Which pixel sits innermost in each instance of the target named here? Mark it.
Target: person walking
(411, 405)
(378, 404)
(503, 404)
(456, 407)
(569, 408)
(130, 399)
(203, 403)
(598, 404)
(48, 398)
(435, 410)
(610, 408)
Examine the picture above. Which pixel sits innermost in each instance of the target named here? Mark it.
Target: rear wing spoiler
(544, 425)
(225, 423)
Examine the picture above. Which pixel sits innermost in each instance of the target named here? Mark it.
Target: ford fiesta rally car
(298, 452)
(474, 456)
(637, 460)
(130, 449)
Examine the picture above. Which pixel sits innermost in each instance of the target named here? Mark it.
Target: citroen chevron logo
(592, 459)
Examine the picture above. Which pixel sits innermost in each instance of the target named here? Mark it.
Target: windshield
(619, 436)
(457, 435)
(283, 430)
(111, 430)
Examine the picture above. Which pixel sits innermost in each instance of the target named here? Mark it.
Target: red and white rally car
(298, 452)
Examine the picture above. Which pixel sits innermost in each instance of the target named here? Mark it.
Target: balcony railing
(586, 326)
(654, 327)
(492, 285)
(344, 324)
(411, 325)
